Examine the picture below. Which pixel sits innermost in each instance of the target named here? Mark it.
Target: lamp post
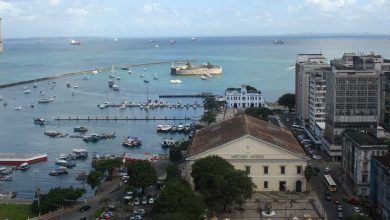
(37, 192)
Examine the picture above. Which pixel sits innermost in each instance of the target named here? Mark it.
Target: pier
(89, 71)
(201, 95)
(107, 118)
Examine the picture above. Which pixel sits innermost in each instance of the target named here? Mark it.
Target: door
(298, 186)
(282, 186)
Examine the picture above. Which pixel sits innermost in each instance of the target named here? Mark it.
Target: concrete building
(306, 64)
(269, 154)
(243, 97)
(380, 185)
(357, 151)
(352, 101)
(385, 95)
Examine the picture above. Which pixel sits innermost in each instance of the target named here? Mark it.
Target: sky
(175, 18)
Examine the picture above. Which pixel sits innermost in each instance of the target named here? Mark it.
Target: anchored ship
(190, 69)
(17, 159)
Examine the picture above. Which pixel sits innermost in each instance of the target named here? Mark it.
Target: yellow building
(270, 154)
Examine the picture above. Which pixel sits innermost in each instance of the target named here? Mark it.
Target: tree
(141, 173)
(219, 183)
(208, 118)
(250, 88)
(177, 201)
(109, 165)
(259, 112)
(309, 172)
(56, 198)
(175, 154)
(173, 172)
(93, 178)
(211, 104)
(287, 100)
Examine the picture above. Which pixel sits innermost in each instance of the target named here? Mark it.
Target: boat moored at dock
(18, 159)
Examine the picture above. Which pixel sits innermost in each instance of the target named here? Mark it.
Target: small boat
(125, 68)
(18, 108)
(86, 77)
(53, 133)
(76, 86)
(175, 81)
(61, 162)
(6, 178)
(23, 166)
(123, 106)
(278, 42)
(156, 46)
(75, 42)
(81, 129)
(115, 39)
(146, 81)
(94, 72)
(118, 78)
(45, 100)
(111, 76)
(59, 171)
(132, 142)
(144, 69)
(80, 154)
(166, 128)
(115, 87)
(142, 75)
(159, 127)
(27, 91)
(204, 77)
(155, 76)
(168, 142)
(180, 127)
(5, 171)
(35, 85)
(68, 84)
(129, 72)
(39, 121)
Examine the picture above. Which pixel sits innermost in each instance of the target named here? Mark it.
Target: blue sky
(137, 18)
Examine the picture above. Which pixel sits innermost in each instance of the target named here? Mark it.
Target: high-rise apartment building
(306, 64)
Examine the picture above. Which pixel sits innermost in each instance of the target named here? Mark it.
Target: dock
(201, 95)
(89, 71)
(107, 118)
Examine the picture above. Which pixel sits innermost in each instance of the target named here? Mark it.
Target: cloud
(152, 8)
(331, 5)
(54, 2)
(79, 12)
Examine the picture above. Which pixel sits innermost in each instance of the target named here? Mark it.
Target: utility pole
(37, 192)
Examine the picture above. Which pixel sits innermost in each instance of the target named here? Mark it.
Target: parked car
(316, 157)
(354, 200)
(305, 141)
(340, 215)
(328, 197)
(135, 217)
(84, 208)
(356, 209)
(151, 200)
(136, 201)
(327, 169)
(317, 169)
(140, 212)
(336, 201)
(144, 201)
(339, 208)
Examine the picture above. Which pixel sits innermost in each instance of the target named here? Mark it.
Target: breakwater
(89, 71)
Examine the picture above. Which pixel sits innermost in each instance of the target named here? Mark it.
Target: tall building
(352, 97)
(305, 65)
(380, 185)
(385, 95)
(358, 149)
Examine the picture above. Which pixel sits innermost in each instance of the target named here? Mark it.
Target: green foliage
(219, 183)
(57, 197)
(250, 88)
(309, 173)
(208, 118)
(211, 104)
(178, 201)
(259, 112)
(184, 145)
(175, 154)
(109, 165)
(287, 100)
(16, 211)
(141, 173)
(93, 178)
(173, 172)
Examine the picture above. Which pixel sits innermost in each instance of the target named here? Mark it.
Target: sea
(254, 61)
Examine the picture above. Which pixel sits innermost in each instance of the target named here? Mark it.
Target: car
(327, 169)
(305, 141)
(328, 197)
(339, 208)
(84, 208)
(144, 201)
(135, 217)
(336, 201)
(125, 177)
(340, 215)
(316, 157)
(140, 212)
(317, 169)
(151, 200)
(136, 201)
(356, 209)
(354, 200)
(83, 218)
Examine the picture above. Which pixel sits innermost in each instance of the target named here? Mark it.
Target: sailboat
(112, 75)
(155, 76)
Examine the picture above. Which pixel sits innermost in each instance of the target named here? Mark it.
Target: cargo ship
(17, 159)
(190, 69)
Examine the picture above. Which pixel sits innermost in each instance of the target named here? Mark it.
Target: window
(248, 169)
(283, 169)
(265, 168)
(364, 178)
(265, 184)
(299, 169)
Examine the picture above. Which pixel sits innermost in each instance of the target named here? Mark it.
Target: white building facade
(243, 98)
(270, 155)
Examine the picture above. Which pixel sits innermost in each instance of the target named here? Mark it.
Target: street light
(37, 192)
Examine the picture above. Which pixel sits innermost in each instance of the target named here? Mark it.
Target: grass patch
(16, 211)
(97, 213)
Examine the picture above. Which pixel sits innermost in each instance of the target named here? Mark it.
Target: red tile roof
(236, 127)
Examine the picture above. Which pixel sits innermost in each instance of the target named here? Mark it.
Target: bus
(329, 182)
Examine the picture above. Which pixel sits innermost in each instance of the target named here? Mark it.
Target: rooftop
(240, 126)
(362, 138)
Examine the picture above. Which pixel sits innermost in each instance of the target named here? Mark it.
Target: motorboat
(157, 46)
(61, 162)
(94, 72)
(278, 42)
(81, 129)
(144, 69)
(166, 128)
(39, 121)
(168, 142)
(180, 127)
(115, 87)
(132, 142)
(76, 86)
(146, 81)
(59, 171)
(27, 91)
(123, 106)
(125, 67)
(23, 166)
(111, 75)
(155, 76)
(18, 108)
(175, 81)
(35, 85)
(142, 75)
(75, 42)
(80, 153)
(204, 77)
(159, 127)
(129, 72)
(118, 78)
(45, 100)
